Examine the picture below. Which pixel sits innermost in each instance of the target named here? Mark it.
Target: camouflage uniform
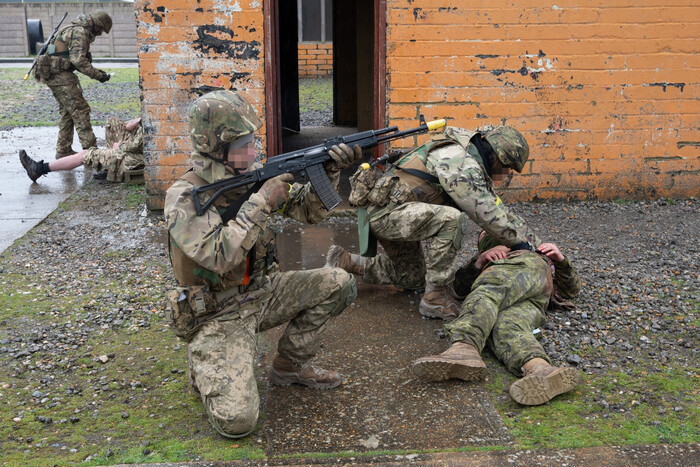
(508, 301)
(245, 291)
(400, 221)
(56, 71)
(129, 156)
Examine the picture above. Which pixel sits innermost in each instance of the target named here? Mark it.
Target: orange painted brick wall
(605, 91)
(315, 59)
(185, 50)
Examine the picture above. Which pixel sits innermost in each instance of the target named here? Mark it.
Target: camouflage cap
(510, 147)
(219, 118)
(101, 19)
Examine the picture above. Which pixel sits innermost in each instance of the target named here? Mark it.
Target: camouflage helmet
(219, 118)
(101, 19)
(510, 147)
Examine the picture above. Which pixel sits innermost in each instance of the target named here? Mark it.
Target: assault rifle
(308, 161)
(42, 51)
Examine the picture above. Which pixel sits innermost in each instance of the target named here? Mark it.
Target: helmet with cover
(219, 118)
(509, 146)
(100, 19)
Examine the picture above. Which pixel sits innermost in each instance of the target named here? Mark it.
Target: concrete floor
(26, 203)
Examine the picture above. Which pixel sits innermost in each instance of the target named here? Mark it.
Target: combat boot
(34, 169)
(439, 302)
(461, 361)
(337, 257)
(541, 382)
(284, 373)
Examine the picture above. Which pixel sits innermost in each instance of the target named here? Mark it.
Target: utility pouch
(368, 242)
(380, 194)
(190, 307)
(362, 182)
(42, 70)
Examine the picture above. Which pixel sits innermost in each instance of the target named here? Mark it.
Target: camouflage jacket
(77, 37)
(456, 163)
(567, 284)
(241, 252)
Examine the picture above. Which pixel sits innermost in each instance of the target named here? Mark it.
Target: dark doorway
(357, 30)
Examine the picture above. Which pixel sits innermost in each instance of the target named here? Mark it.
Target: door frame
(273, 98)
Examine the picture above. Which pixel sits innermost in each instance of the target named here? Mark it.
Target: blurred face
(241, 157)
(500, 173)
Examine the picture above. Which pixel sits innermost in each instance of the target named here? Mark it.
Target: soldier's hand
(495, 253)
(105, 77)
(342, 157)
(276, 190)
(551, 251)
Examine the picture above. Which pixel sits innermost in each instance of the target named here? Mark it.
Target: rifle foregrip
(323, 186)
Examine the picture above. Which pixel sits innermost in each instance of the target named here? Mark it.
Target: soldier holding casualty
(428, 195)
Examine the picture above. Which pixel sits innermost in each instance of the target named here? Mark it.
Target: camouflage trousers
(506, 304)
(75, 112)
(114, 161)
(400, 230)
(222, 352)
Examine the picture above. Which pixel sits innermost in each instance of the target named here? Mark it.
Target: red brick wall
(315, 59)
(605, 91)
(185, 50)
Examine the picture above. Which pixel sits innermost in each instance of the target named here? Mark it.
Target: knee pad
(345, 296)
(229, 423)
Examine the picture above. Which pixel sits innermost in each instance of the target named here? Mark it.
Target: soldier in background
(230, 284)
(124, 152)
(508, 293)
(69, 51)
(428, 195)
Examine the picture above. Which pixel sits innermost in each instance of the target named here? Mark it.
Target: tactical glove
(276, 190)
(342, 157)
(104, 78)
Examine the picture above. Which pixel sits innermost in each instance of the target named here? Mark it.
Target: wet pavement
(25, 203)
(372, 343)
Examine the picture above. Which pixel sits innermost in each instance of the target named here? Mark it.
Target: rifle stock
(45, 46)
(309, 161)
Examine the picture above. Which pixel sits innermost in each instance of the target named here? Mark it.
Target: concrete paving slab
(24, 203)
(380, 405)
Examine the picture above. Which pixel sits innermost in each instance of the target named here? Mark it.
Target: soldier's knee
(229, 420)
(346, 294)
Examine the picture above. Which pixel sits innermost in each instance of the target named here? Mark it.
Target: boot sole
(279, 380)
(536, 390)
(438, 369)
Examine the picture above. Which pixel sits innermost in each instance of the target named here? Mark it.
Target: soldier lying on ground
(231, 286)
(510, 291)
(70, 51)
(124, 152)
(428, 195)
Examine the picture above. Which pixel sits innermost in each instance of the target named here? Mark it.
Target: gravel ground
(103, 99)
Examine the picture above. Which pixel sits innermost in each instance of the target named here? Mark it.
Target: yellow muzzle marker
(425, 126)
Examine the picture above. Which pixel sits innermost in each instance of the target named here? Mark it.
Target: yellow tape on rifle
(435, 124)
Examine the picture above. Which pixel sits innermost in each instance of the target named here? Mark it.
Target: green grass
(647, 401)
(136, 196)
(16, 92)
(314, 94)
